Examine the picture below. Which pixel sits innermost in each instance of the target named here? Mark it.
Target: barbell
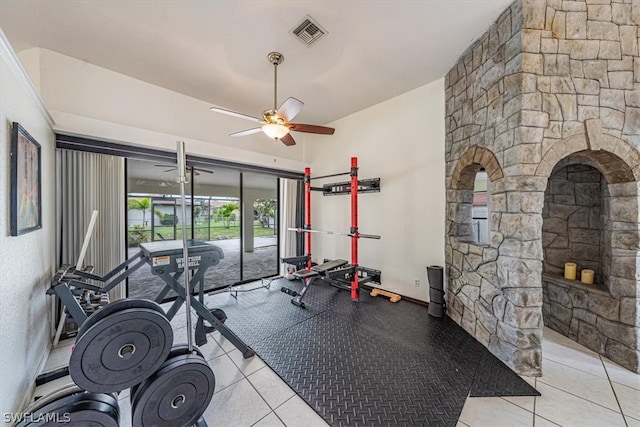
(336, 233)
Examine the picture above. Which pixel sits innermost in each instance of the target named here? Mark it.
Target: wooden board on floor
(392, 297)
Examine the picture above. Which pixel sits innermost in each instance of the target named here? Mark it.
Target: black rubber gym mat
(370, 363)
(494, 378)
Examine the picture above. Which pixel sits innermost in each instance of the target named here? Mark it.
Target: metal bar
(203, 312)
(109, 275)
(72, 304)
(307, 213)
(354, 226)
(337, 233)
(332, 175)
(124, 275)
(182, 179)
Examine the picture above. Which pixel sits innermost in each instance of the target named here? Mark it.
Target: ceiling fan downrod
(276, 58)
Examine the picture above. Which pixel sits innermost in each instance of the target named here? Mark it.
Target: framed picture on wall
(26, 188)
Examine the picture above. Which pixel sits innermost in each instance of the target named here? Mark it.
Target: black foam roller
(436, 291)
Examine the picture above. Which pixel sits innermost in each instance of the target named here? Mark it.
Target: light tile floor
(579, 388)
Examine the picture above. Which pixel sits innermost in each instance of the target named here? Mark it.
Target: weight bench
(309, 275)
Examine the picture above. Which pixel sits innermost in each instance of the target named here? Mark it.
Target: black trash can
(436, 291)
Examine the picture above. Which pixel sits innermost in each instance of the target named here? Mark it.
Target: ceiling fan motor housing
(276, 58)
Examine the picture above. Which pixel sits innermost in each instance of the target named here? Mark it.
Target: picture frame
(26, 185)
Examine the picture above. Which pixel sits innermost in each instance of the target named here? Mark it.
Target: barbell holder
(336, 233)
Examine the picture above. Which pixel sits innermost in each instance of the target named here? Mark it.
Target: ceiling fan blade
(235, 114)
(300, 127)
(290, 108)
(288, 140)
(246, 132)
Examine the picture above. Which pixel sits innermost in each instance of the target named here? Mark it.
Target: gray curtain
(88, 182)
(289, 196)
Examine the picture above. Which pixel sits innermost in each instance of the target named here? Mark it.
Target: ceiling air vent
(309, 31)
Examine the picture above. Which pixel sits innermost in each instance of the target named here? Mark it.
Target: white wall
(27, 262)
(400, 141)
(88, 100)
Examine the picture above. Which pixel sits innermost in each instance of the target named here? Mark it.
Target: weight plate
(121, 350)
(108, 309)
(56, 394)
(176, 350)
(176, 395)
(77, 409)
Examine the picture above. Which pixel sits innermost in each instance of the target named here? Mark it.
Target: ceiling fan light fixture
(274, 130)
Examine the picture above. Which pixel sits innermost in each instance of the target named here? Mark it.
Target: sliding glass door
(216, 207)
(233, 210)
(260, 231)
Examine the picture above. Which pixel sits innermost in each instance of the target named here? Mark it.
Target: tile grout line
(582, 398)
(614, 391)
(535, 400)
(573, 367)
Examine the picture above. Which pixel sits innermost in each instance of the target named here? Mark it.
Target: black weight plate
(77, 409)
(176, 350)
(121, 350)
(68, 393)
(57, 394)
(108, 309)
(83, 414)
(175, 396)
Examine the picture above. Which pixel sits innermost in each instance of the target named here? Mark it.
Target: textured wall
(550, 79)
(572, 227)
(27, 262)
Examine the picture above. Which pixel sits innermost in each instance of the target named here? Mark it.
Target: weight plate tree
(122, 348)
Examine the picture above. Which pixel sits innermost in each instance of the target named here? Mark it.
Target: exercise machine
(340, 273)
(166, 260)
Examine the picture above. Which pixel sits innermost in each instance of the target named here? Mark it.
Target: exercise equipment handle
(367, 236)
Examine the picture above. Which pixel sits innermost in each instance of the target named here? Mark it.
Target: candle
(586, 277)
(570, 270)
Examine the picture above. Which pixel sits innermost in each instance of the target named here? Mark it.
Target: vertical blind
(88, 182)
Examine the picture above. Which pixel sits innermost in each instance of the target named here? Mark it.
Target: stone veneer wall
(548, 80)
(572, 220)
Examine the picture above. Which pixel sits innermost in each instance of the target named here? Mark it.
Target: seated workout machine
(165, 258)
(339, 273)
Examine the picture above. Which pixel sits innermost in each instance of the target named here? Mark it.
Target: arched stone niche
(590, 216)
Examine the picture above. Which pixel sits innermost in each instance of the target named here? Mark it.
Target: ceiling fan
(196, 171)
(276, 123)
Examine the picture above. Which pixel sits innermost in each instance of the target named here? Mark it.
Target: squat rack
(352, 187)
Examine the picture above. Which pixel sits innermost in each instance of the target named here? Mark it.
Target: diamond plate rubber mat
(366, 363)
(494, 378)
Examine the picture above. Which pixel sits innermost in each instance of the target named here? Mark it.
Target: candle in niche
(570, 270)
(586, 277)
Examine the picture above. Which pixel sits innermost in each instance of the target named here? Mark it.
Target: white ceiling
(216, 51)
